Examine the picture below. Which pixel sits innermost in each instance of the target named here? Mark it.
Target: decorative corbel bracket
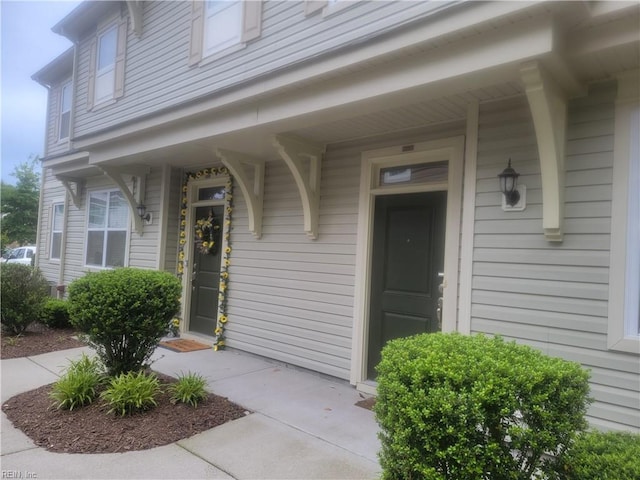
(304, 159)
(249, 173)
(117, 174)
(68, 183)
(548, 104)
(135, 12)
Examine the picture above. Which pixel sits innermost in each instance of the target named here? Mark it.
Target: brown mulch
(38, 339)
(91, 429)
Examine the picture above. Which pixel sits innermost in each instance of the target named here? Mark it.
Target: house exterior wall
(553, 296)
(294, 299)
(157, 71)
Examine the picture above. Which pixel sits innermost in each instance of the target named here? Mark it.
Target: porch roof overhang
(548, 58)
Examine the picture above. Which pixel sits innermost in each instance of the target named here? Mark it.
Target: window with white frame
(107, 229)
(222, 25)
(57, 222)
(65, 111)
(106, 64)
(624, 281)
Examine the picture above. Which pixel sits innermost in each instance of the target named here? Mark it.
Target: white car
(24, 255)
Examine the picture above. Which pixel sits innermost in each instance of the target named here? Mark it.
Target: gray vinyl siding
(173, 221)
(553, 296)
(143, 249)
(291, 298)
(53, 192)
(157, 74)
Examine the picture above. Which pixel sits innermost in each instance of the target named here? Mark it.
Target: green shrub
(78, 386)
(24, 291)
(605, 456)
(55, 313)
(125, 313)
(131, 392)
(189, 389)
(471, 407)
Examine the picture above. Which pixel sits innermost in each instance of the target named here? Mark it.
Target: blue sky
(27, 44)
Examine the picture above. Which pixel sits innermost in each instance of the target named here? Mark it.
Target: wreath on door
(207, 234)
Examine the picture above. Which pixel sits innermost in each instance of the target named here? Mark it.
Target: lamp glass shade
(141, 210)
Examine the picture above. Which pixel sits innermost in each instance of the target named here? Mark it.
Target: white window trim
(127, 229)
(54, 231)
(619, 334)
(61, 112)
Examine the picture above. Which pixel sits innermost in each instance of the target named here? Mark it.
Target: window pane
(105, 84)
(97, 210)
(118, 210)
(56, 242)
(107, 48)
(58, 215)
(434, 172)
(211, 193)
(65, 105)
(116, 244)
(222, 26)
(64, 125)
(95, 244)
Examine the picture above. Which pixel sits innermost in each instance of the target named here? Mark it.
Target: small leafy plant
(189, 388)
(603, 455)
(131, 392)
(79, 385)
(55, 313)
(24, 292)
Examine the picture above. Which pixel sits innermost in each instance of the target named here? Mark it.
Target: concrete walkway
(303, 426)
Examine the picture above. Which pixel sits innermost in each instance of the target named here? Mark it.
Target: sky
(26, 45)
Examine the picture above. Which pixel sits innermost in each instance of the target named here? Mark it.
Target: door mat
(367, 403)
(183, 345)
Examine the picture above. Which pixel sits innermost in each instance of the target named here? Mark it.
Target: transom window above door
(420, 173)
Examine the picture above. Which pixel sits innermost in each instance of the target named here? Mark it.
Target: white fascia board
(476, 13)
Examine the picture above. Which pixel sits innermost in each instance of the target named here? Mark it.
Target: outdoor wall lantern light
(142, 213)
(509, 187)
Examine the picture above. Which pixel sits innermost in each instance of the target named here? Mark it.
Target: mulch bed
(91, 429)
(39, 339)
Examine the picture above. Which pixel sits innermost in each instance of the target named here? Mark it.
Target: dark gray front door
(408, 254)
(205, 281)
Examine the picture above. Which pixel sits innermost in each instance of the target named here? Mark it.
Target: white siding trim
(165, 193)
(468, 219)
(451, 149)
(626, 105)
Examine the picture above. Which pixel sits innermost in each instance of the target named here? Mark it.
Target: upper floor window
(107, 229)
(57, 222)
(217, 26)
(65, 111)
(106, 67)
(106, 64)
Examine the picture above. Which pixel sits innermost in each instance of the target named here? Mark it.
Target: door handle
(439, 312)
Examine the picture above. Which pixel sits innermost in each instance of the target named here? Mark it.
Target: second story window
(106, 67)
(217, 26)
(222, 25)
(65, 111)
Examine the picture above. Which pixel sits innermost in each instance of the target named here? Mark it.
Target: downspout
(40, 251)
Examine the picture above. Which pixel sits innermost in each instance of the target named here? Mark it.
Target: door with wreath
(205, 269)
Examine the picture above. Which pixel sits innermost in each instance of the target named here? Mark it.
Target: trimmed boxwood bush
(24, 291)
(603, 456)
(452, 406)
(55, 313)
(124, 313)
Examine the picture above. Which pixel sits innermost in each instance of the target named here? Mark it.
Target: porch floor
(303, 425)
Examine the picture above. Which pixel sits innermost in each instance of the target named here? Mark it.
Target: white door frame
(449, 149)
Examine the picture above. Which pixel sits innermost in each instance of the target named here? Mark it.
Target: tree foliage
(19, 204)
